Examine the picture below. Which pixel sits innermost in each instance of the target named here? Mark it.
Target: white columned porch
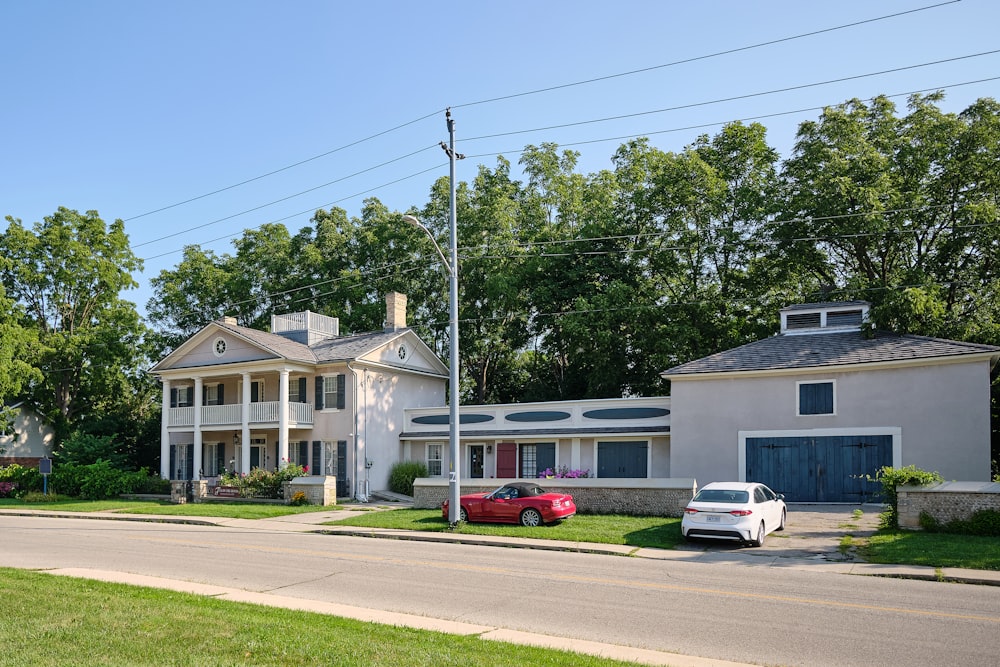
(245, 425)
(196, 467)
(574, 454)
(283, 420)
(165, 432)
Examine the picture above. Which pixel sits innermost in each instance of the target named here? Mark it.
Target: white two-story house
(236, 398)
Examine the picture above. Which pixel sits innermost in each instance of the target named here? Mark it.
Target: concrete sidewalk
(312, 522)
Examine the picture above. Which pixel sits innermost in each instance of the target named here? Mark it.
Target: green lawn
(661, 532)
(910, 547)
(229, 510)
(48, 620)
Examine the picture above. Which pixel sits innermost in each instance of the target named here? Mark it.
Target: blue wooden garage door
(825, 469)
(622, 459)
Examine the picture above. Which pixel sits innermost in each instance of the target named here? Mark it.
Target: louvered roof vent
(824, 317)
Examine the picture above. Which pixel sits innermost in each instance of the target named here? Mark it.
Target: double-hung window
(434, 460)
(181, 397)
(331, 392)
(816, 398)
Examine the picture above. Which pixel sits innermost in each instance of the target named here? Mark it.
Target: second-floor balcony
(266, 412)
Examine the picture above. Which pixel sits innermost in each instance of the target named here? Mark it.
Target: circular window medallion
(402, 352)
(219, 347)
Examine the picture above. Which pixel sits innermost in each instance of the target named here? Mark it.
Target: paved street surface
(787, 603)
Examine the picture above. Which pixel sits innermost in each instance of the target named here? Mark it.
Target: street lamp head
(410, 220)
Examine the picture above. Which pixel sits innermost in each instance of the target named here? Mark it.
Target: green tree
(66, 274)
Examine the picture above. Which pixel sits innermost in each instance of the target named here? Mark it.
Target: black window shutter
(302, 391)
(204, 396)
(173, 397)
(173, 461)
(190, 462)
(221, 395)
(254, 394)
(319, 392)
(316, 467)
(341, 387)
(303, 453)
(220, 458)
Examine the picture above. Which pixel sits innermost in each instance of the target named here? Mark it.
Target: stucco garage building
(814, 409)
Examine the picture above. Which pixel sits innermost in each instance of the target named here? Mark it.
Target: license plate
(713, 518)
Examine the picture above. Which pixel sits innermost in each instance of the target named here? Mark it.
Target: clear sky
(129, 107)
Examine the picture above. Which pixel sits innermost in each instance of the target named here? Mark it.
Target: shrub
(260, 483)
(101, 480)
(402, 475)
(39, 497)
(890, 478)
(146, 482)
(985, 523)
(298, 498)
(24, 480)
(67, 479)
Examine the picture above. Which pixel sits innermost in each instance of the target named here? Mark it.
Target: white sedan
(744, 511)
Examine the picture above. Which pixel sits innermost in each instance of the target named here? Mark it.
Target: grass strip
(217, 508)
(47, 620)
(659, 532)
(912, 547)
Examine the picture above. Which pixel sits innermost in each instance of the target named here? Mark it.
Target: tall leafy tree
(67, 274)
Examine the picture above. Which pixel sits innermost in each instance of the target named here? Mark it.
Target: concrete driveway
(812, 532)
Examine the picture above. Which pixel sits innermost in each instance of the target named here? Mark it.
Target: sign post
(45, 467)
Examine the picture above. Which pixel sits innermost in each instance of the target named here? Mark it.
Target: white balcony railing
(266, 412)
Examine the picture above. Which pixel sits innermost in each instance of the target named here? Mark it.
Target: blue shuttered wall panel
(822, 469)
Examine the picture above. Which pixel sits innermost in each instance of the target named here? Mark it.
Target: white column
(165, 432)
(574, 455)
(283, 421)
(245, 425)
(198, 390)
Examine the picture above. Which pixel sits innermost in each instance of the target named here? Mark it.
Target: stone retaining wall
(636, 497)
(946, 502)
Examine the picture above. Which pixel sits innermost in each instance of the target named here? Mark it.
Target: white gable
(408, 352)
(214, 346)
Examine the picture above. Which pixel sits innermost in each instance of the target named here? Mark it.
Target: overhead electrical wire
(493, 154)
(535, 92)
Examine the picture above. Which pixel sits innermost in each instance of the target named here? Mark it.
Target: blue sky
(128, 107)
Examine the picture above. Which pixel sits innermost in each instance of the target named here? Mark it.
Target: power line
(518, 151)
(703, 57)
(534, 92)
(734, 97)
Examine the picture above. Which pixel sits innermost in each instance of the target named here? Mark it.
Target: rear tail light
(690, 510)
(741, 512)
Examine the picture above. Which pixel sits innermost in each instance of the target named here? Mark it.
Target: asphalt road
(740, 612)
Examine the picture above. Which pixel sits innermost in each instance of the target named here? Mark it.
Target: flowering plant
(563, 472)
(7, 489)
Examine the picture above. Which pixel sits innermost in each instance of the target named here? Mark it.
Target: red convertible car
(524, 503)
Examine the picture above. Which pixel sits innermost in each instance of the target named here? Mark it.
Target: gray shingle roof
(279, 345)
(789, 352)
(342, 348)
(346, 348)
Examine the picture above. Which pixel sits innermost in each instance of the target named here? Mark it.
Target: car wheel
(759, 542)
(463, 515)
(531, 517)
(781, 526)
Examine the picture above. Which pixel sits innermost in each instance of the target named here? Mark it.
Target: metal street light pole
(454, 462)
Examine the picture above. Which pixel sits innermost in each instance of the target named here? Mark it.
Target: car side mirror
(781, 496)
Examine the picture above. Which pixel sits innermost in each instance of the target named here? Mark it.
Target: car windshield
(722, 496)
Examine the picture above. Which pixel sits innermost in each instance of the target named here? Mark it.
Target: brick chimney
(395, 311)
